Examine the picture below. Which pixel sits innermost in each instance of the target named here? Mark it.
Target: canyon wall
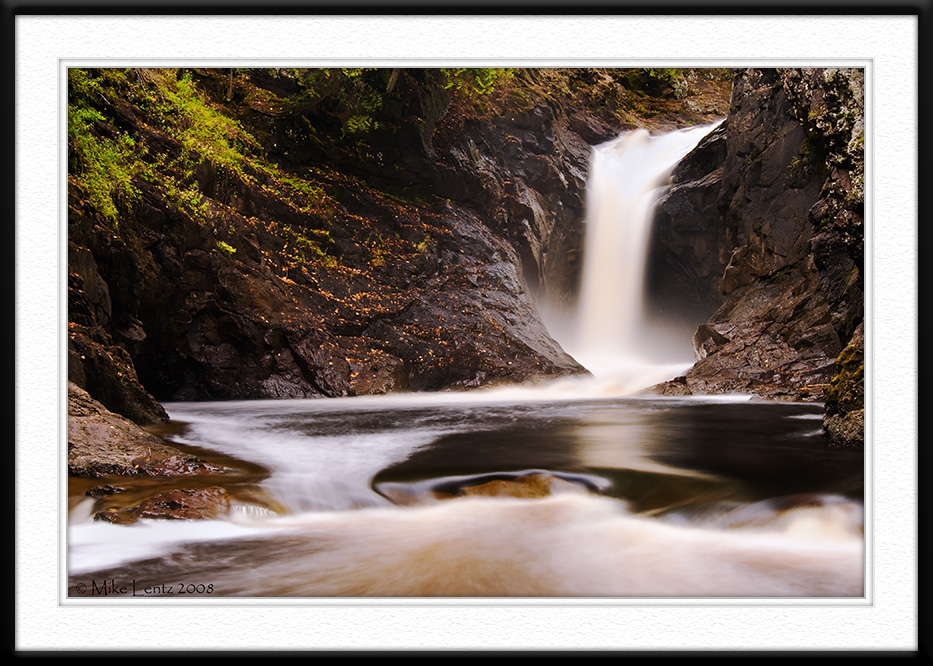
(772, 206)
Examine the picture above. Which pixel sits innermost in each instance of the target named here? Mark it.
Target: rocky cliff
(771, 207)
(266, 243)
(243, 280)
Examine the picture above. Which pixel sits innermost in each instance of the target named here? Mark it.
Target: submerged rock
(524, 486)
(183, 504)
(173, 504)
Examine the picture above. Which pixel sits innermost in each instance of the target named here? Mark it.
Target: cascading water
(608, 334)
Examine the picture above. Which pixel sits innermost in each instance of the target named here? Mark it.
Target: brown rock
(788, 219)
(846, 430)
(101, 443)
(526, 486)
(172, 504)
(182, 504)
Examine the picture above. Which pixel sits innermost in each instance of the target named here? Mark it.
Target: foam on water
(568, 545)
(94, 546)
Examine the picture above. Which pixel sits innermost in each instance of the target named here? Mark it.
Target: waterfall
(608, 333)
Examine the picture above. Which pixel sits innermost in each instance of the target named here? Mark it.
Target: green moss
(846, 388)
(423, 245)
(226, 247)
(668, 75)
(354, 97)
(379, 249)
(103, 161)
(205, 133)
(308, 249)
(476, 81)
(187, 198)
(804, 157)
(309, 192)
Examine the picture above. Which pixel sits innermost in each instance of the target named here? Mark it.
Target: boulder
(172, 504)
(104, 444)
(525, 486)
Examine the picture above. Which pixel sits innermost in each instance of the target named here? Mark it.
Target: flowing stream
(574, 488)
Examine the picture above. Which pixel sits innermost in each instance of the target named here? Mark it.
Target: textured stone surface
(101, 444)
(787, 216)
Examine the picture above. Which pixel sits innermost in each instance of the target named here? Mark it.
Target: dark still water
(510, 492)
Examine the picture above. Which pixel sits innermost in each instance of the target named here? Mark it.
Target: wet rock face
(684, 258)
(173, 504)
(526, 173)
(104, 444)
(97, 362)
(786, 221)
(830, 105)
(448, 310)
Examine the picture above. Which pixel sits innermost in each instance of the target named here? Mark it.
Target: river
(655, 497)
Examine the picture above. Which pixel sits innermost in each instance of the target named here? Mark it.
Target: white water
(338, 536)
(608, 334)
(675, 508)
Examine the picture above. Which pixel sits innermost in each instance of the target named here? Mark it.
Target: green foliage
(205, 132)
(353, 96)
(357, 98)
(667, 75)
(423, 245)
(804, 157)
(363, 112)
(187, 198)
(108, 165)
(716, 73)
(476, 81)
(846, 388)
(379, 250)
(310, 250)
(308, 193)
(651, 81)
(103, 163)
(102, 160)
(301, 193)
(226, 247)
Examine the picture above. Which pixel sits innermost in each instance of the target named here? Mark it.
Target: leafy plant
(667, 75)
(102, 160)
(476, 81)
(204, 131)
(379, 251)
(353, 96)
(309, 250)
(226, 247)
(188, 198)
(423, 245)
